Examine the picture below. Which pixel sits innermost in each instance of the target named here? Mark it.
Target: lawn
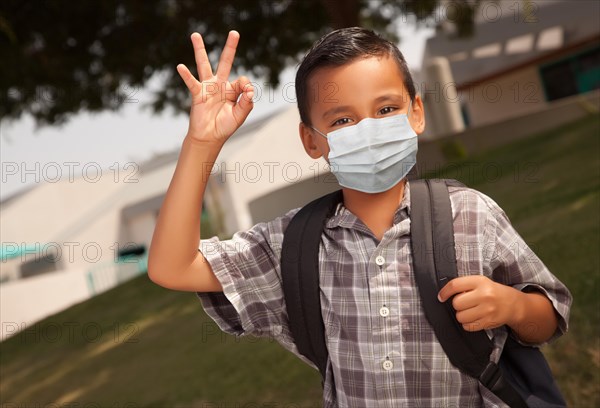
(139, 345)
(549, 186)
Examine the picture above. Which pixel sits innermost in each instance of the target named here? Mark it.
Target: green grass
(549, 186)
(158, 349)
(151, 347)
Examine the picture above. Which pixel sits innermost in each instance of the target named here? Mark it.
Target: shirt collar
(342, 217)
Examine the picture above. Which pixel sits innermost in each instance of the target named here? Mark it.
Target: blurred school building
(524, 55)
(64, 242)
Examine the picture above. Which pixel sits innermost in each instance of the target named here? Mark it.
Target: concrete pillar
(442, 104)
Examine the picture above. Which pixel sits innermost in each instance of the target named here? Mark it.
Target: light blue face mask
(373, 155)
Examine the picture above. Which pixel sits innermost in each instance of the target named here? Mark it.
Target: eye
(341, 121)
(387, 109)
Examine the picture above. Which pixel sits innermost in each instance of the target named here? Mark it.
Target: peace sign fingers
(226, 59)
(202, 61)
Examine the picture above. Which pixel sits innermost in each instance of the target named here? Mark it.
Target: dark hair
(340, 47)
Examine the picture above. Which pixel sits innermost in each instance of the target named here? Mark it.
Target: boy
(382, 351)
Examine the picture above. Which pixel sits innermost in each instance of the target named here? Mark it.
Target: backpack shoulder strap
(300, 276)
(434, 264)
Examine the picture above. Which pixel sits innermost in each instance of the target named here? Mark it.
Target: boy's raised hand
(216, 112)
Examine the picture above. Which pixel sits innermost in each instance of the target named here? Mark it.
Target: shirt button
(384, 311)
(380, 260)
(388, 365)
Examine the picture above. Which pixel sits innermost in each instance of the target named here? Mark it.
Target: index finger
(226, 59)
(202, 61)
(457, 285)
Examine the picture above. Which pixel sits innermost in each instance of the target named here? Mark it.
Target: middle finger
(226, 59)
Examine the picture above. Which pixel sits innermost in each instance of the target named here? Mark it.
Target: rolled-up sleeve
(248, 268)
(514, 263)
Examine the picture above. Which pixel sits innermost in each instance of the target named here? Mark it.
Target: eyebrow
(386, 97)
(335, 110)
(382, 98)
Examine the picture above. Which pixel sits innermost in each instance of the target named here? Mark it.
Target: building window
(575, 74)
(464, 111)
(132, 249)
(39, 265)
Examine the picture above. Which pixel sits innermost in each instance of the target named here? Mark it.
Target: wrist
(205, 144)
(519, 306)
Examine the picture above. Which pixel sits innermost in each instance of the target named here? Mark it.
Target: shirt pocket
(332, 327)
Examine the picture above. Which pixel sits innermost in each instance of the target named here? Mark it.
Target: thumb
(244, 105)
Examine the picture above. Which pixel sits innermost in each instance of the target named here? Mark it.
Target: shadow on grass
(141, 345)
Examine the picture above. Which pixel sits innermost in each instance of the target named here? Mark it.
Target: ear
(417, 115)
(307, 136)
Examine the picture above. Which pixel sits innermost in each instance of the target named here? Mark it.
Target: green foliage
(453, 150)
(207, 228)
(61, 57)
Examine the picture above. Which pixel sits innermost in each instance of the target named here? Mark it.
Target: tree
(61, 57)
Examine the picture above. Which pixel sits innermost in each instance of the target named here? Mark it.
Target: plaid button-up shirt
(382, 350)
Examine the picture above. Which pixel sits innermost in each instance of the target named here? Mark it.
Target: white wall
(26, 301)
(141, 227)
(271, 159)
(514, 94)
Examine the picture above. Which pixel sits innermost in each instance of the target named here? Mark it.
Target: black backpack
(521, 379)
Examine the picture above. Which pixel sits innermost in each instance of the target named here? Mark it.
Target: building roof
(246, 129)
(505, 39)
(14, 197)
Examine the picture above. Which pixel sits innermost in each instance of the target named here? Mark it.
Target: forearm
(534, 319)
(177, 232)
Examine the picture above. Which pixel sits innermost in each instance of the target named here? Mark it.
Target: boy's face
(343, 96)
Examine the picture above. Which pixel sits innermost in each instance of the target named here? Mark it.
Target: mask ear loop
(318, 131)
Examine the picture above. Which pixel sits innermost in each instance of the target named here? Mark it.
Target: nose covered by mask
(373, 155)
